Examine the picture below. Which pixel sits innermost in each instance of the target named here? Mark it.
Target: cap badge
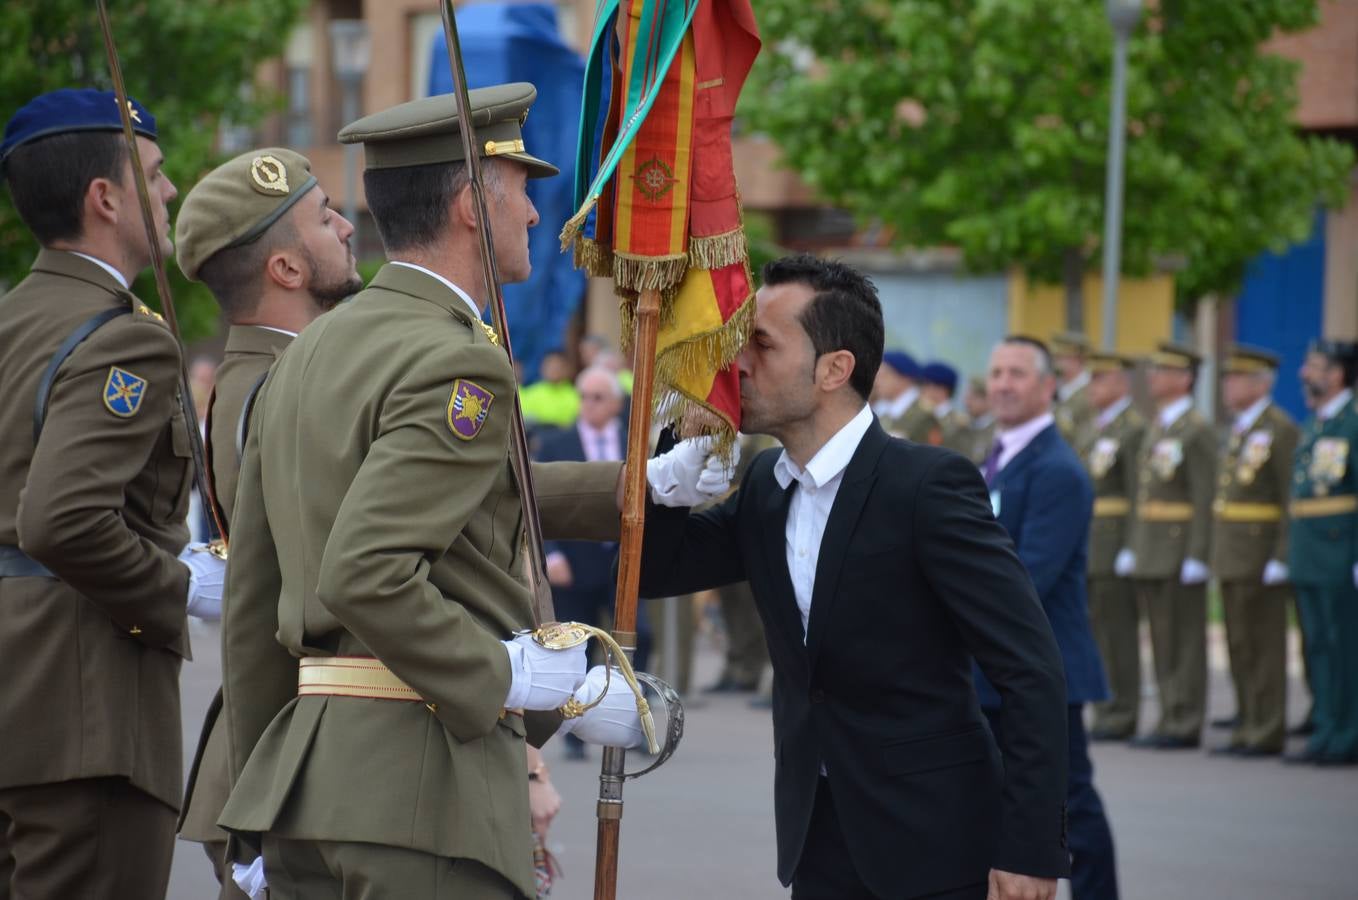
(269, 175)
(131, 110)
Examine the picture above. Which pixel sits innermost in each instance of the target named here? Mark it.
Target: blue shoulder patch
(123, 392)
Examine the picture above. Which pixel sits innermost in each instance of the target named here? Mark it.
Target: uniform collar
(1068, 390)
(117, 276)
(1109, 415)
(1337, 402)
(466, 298)
(1245, 421)
(82, 266)
(830, 460)
(894, 409)
(1175, 411)
(257, 339)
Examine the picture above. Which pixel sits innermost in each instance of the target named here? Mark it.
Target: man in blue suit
(1042, 496)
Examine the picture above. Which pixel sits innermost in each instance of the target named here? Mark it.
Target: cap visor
(536, 168)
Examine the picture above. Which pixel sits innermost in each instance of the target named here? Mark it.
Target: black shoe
(1166, 742)
(1305, 729)
(1230, 722)
(1107, 735)
(762, 702)
(1303, 758)
(1146, 741)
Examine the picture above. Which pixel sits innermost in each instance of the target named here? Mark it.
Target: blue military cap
(71, 109)
(941, 374)
(903, 363)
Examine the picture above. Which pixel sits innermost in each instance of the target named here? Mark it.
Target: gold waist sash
(1164, 511)
(1247, 512)
(1111, 506)
(357, 676)
(1315, 507)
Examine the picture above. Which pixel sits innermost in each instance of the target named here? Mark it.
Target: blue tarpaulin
(504, 42)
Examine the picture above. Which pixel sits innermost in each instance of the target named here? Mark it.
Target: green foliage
(984, 124)
(191, 64)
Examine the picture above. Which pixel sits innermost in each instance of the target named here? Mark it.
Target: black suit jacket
(914, 578)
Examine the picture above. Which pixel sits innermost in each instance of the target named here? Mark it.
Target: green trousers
(746, 652)
(339, 870)
(1256, 634)
(1178, 618)
(1113, 614)
(1329, 616)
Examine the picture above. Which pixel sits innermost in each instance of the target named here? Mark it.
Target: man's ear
(835, 369)
(102, 201)
(464, 208)
(285, 270)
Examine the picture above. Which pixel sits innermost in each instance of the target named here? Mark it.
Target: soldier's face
(324, 233)
(1018, 391)
(512, 213)
(1067, 367)
(161, 191)
(1107, 388)
(1320, 378)
(778, 366)
(1241, 390)
(1168, 384)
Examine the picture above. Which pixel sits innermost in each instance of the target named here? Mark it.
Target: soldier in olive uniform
(939, 387)
(376, 697)
(896, 400)
(1249, 549)
(1074, 413)
(95, 473)
(1324, 551)
(1111, 449)
(260, 233)
(981, 430)
(1169, 545)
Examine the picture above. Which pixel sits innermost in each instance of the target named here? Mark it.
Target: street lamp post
(350, 54)
(1123, 16)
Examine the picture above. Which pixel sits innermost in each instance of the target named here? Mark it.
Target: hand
(689, 474)
(542, 679)
(250, 879)
(207, 574)
(615, 722)
(1008, 886)
(1125, 564)
(1275, 572)
(543, 800)
(559, 572)
(1193, 572)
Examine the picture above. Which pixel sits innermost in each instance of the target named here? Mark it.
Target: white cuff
(250, 879)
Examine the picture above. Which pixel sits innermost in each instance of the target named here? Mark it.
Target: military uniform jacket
(250, 351)
(1325, 547)
(376, 515)
(1252, 493)
(1176, 481)
(915, 424)
(90, 662)
(956, 428)
(1110, 455)
(1075, 416)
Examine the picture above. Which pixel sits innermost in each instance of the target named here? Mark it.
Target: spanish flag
(656, 194)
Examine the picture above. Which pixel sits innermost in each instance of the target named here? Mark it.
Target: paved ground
(1187, 825)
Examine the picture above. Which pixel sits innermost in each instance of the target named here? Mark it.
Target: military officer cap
(939, 373)
(902, 363)
(1069, 343)
(1104, 361)
(425, 131)
(71, 109)
(1244, 359)
(237, 202)
(1344, 352)
(1169, 355)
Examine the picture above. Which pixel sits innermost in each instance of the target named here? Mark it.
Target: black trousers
(826, 871)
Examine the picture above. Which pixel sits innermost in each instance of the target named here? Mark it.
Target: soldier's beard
(330, 291)
(1315, 391)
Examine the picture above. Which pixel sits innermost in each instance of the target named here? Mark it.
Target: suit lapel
(852, 497)
(773, 511)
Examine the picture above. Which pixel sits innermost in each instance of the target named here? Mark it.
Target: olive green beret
(425, 131)
(237, 202)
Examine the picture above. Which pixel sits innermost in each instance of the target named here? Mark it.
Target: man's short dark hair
(843, 314)
(48, 179)
(410, 204)
(1045, 365)
(235, 274)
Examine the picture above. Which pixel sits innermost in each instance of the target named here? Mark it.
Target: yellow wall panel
(1145, 310)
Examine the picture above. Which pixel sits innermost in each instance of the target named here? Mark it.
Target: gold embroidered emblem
(269, 175)
(1166, 457)
(148, 311)
(490, 333)
(1258, 448)
(467, 408)
(1329, 462)
(1103, 456)
(131, 111)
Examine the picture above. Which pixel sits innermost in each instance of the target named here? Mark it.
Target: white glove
(541, 678)
(689, 475)
(207, 573)
(250, 879)
(615, 722)
(1125, 564)
(1275, 572)
(1193, 572)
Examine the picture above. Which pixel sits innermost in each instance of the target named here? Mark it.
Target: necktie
(992, 461)
(601, 453)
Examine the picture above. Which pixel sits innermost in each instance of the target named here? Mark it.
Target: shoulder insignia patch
(467, 408)
(123, 392)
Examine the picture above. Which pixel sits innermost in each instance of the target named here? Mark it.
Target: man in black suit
(879, 572)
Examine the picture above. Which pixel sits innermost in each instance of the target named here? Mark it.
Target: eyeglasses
(597, 396)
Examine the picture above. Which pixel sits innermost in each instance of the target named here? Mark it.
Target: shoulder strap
(243, 426)
(49, 375)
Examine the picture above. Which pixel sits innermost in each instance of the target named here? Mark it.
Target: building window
(298, 58)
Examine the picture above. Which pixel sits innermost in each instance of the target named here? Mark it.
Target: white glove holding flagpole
(615, 722)
(207, 575)
(542, 679)
(690, 474)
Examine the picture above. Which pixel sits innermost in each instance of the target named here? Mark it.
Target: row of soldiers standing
(1269, 511)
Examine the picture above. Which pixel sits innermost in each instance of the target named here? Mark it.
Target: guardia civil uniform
(1074, 412)
(1110, 451)
(1172, 523)
(233, 206)
(1323, 553)
(95, 472)
(376, 566)
(1249, 532)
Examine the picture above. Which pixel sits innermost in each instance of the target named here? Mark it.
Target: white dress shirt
(1065, 391)
(1108, 415)
(1014, 440)
(118, 276)
(1175, 411)
(292, 334)
(894, 409)
(1337, 402)
(601, 444)
(1245, 421)
(817, 486)
(471, 304)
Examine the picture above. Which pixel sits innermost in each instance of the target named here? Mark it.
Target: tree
(984, 124)
(191, 64)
